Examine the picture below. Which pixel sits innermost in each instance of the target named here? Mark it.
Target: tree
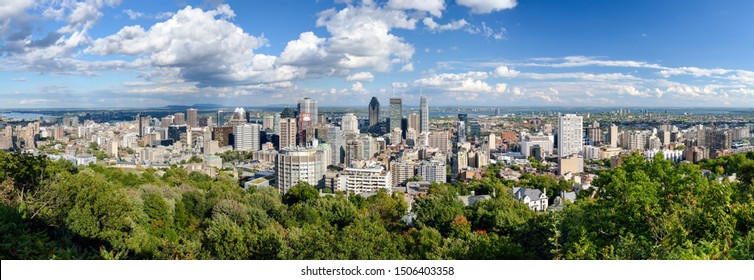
(300, 192)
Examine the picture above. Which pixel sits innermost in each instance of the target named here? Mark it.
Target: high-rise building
(238, 118)
(402, 171)
(307, 113)
(462, 126)
(433, 171)
(613, 136)
(374, 112)
(205, 121)
(414, 121)
(246, 137)
(396, 113)
(180, 119)
(336, 141)
(223, 135)
(166, 121)
(439, 140)
(288, 130)
(268, 122)
(424, 114)
(350, 124)
(570, 144)
(192, 117)
(570, 135)
(293, 165)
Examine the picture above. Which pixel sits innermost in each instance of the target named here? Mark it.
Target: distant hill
(196, 106)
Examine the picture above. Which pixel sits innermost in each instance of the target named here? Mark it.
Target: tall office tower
(205, 121)
(288, 129)
(276, 126)
(143, 123)
(613, 136)
(570, 144)
(307, 113)
(414, 122)
(424, 114)
(462, 127)
(247, 137)
(307, 117)
(268, 122)
(238, 118)
(350, 124)
(293, 165)
(180, 119)
(374, 112)
(192, 117)
(166, 121)
(396, 113)
(570, 135)
(223, 135)
(336, 141)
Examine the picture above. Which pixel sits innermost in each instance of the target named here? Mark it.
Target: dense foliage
(642, 210)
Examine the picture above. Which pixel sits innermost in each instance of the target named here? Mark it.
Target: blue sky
(112, 53)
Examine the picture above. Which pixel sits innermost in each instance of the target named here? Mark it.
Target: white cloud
(487, 6)
(693, 71)
(433, 7)
(452, 25)
(486, 31)
(13, 8)
(358, 87)
(504, 71)
(360, 77)
(501, 88)
(362, 38)
(408, 67)
(203, 45)
(471, 85)
(133, 14)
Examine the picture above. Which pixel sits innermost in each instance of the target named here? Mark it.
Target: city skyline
(104, 54)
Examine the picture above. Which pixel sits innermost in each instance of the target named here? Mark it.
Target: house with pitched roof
(534, 198)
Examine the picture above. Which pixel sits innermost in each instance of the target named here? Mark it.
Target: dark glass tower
(374, 112)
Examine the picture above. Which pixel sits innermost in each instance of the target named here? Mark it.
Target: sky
(590, 53)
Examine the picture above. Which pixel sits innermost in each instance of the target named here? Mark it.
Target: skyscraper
(613, 136)
(396, 113)
(307, 113)
(247, 137)
(414, 121)
(193, 119)
(570, 135)
(424, 114)
(288, 129)
(180, 119)
(570, 144)
(350, 124)
(374, 112)
(462, 127)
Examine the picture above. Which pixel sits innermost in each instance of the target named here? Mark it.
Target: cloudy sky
(113, 53)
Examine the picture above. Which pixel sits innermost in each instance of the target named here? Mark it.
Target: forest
(640, 210)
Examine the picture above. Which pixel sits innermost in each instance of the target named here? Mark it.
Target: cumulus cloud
(360, 77)
(203, 45)
(487, 6)
(435, 27)
(362, 38)
(504, 71)
(433, 7)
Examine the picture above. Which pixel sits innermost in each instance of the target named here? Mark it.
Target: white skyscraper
(298, 164)
(247, 137)
(423, 114)
(570, 135)
(350, 124)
